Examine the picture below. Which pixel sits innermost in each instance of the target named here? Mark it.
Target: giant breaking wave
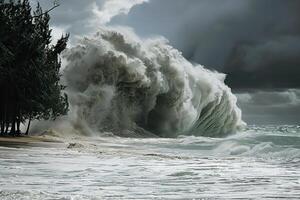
(122, 84)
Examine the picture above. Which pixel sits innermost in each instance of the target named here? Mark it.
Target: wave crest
(120, 83)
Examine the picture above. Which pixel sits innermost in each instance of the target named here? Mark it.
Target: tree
(29, 67)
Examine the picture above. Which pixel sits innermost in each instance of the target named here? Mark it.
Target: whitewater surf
(259, 163)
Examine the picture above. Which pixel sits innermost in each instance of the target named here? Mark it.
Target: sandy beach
(21, 141)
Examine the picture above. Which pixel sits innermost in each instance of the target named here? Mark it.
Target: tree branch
(55, 6)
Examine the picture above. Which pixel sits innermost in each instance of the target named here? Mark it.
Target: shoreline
(22, 141)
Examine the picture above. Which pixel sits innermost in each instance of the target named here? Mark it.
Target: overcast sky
(255, 42)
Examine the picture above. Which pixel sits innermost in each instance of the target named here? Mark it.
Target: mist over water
(120, 83)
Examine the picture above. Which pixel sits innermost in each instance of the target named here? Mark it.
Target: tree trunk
(6, 128)
(3, 121)
(2, 127)
(13, 127)
(18, 126)
(18, 121)
(28, 126)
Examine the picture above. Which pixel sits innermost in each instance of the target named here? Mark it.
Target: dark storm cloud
(270, 64)
(257, 42)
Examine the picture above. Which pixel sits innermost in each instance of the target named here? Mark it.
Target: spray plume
(119, 83)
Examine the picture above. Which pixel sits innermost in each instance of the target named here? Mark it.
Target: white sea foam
(260, 163)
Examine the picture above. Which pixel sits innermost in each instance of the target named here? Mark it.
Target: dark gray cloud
(256, 42)
(270, 64)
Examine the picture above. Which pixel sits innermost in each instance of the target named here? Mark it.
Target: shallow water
(259, 163)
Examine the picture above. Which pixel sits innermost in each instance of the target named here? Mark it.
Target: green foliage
(29, 66)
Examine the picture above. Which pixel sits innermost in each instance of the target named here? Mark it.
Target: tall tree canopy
(29, 67)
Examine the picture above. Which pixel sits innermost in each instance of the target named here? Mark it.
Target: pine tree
(29, 67)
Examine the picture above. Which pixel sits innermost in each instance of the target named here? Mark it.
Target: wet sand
(22, 141)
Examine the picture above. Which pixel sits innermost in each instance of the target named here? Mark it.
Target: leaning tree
(29, 67)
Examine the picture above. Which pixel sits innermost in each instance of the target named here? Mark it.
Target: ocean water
(258, 163)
